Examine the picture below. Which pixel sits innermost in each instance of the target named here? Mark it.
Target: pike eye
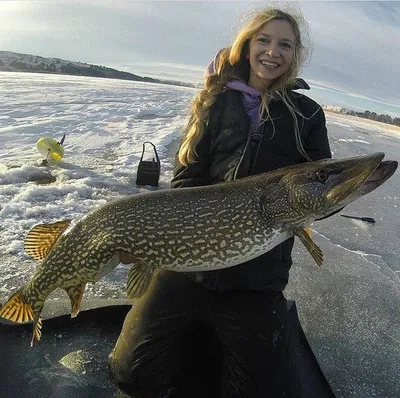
(321, 176)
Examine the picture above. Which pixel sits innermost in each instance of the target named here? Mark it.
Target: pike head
(317, 189)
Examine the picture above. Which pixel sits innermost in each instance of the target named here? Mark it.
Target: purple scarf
(251, 99)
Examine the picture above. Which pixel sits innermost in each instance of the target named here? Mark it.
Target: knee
(122, 377)
(131, 381)
(113, 367)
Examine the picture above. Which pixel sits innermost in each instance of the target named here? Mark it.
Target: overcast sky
(356, 45)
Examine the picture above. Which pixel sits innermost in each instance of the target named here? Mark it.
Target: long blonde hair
(232, 63)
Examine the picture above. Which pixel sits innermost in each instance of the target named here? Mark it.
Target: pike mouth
(361, 176)
(381, 174)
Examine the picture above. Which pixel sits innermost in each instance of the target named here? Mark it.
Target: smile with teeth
(269, 64)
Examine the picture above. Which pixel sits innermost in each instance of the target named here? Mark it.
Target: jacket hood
(252, 98)
(239, 85)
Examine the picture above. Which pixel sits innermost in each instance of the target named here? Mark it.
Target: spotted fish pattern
(188, 229)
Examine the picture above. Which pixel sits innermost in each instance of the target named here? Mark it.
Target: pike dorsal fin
(315, 251)
(139, 279)
(41, 238)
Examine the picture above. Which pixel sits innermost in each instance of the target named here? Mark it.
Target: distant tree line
(374, 116)
(80, 69)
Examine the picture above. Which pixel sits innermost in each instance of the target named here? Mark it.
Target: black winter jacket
(226, 153)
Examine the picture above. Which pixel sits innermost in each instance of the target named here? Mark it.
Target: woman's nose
(273, 50)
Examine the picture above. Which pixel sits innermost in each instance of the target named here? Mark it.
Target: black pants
(183, 340)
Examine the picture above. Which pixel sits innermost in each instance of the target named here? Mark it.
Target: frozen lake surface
(350, 309)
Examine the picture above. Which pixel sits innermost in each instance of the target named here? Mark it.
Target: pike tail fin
(18, 311)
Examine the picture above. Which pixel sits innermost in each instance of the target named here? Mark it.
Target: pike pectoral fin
(139, 279)
(315, 251)
(41, 238)
(75, 294)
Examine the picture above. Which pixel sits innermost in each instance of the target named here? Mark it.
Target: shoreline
(386, 126)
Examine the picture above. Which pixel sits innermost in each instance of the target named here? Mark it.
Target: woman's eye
(286, 45)
(263, 40)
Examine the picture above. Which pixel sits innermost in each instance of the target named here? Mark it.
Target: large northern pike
(191, 229)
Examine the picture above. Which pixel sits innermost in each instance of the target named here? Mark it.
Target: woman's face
(270, 53)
